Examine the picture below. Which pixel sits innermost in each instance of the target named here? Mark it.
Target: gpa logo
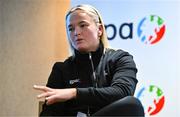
(152, 99)
(151, 29)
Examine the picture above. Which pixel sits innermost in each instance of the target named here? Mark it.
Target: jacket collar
(84, 57)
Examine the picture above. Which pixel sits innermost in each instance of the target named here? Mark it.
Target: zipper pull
(90, 56)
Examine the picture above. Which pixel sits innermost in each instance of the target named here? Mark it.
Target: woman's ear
(100, 30)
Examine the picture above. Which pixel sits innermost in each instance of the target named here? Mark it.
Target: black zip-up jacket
(100, 77)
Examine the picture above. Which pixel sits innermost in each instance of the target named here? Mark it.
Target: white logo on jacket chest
(74, 81)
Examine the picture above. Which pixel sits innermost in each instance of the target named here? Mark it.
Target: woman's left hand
(55, 95)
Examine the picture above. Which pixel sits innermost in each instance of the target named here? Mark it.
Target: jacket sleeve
(123, 83)
(54, 81)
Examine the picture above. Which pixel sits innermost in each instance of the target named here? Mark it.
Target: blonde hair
(92, 12)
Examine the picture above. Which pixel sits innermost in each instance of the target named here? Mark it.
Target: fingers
(47, 91)
(42, 88)
(51, 99)
(52, 95)
(45, 95)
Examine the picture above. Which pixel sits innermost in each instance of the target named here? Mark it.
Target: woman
(95, 79)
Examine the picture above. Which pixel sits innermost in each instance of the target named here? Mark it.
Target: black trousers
(128, 106)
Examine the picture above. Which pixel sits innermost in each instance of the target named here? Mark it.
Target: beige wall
(32, 38)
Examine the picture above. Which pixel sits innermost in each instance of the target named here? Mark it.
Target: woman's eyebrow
(81, 22)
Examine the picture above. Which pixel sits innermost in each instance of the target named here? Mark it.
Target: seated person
(95, 80)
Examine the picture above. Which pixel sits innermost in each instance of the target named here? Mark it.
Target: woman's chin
(82, 50)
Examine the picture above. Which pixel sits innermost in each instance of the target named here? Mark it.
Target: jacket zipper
(94, 78)
(94, 73)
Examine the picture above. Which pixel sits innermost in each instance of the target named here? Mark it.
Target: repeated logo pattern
(151, 29)
(152, 99)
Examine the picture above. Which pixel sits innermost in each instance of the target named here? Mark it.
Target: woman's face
(84, 33)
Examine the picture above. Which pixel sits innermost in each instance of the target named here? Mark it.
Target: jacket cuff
(82, 95)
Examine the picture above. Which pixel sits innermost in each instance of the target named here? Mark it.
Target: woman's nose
(77, 31)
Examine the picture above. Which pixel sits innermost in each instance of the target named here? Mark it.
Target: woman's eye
(83, 25)
(70, 29)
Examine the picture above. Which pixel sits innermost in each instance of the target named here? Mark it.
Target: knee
(131, 100)
(132, 104)
(127, 106)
